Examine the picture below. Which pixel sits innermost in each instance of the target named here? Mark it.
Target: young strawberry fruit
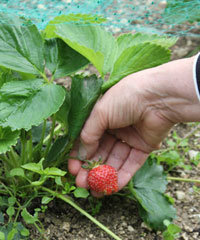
(103, 179)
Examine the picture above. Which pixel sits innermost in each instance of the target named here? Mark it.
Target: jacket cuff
(196, 75)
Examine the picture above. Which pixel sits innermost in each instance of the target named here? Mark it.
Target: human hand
(131, 120)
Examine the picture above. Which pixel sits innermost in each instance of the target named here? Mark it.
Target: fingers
(94, 129)
(134, 161)
(105, 147)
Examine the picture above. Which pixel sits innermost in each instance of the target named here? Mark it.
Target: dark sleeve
(198, 72)
(196, 75)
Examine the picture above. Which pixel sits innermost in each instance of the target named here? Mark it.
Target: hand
(131, 120)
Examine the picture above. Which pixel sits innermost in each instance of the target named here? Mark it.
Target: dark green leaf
(61, 59)
(55, 151)
(149, 186)
(8, 138)
(158, 208)
(21, 45)
(150, 176)
(1, 218)
(37, 131)
(62, 114)
(28, 102)
(84, 94)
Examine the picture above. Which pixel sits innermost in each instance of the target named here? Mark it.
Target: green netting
(177, 17)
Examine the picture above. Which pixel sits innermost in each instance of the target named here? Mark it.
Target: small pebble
(66, 226)
(180, 195)
(130, 229)
(193, 154)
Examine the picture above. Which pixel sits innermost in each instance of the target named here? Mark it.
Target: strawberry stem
(73, 204)
(183, 179)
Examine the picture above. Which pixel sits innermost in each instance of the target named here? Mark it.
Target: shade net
(171, 17)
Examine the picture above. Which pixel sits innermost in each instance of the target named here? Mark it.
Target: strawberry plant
(40, 119)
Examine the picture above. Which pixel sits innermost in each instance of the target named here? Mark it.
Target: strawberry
(103, 179)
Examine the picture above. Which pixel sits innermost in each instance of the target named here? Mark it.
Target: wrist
(174, 91)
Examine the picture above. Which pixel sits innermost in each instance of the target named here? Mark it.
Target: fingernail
(82, 153)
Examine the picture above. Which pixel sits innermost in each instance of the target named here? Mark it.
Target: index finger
(93, 130)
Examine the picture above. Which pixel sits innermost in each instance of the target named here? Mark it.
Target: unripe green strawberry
(103, 179)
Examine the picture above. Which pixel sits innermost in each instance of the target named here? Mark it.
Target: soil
(121, 215)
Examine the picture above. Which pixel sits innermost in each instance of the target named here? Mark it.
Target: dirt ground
(121, 215)
(63, 222)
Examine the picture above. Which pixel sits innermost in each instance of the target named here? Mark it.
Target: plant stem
(66, 150)
(183, 179)
(12, 159)
(7, 163)
(73, 204)
(51, 136)
(40, 144)
(30, 146)
(56, 130)
(23, 146)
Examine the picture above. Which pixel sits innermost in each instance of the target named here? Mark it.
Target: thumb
(93, 130)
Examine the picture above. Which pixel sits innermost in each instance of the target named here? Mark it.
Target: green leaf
(81, 193)
(46, 200)
(171, 232)
(137, 58)
(10, 211)
(62, 114)
(21, 45)
(149, 186)
(128, 40)
(8, 138)
(84, 94)
(17, 172)
(33, 167)
(93, 42)
(25, 232)
(56, 150)
(61, 59)
(1, 217)
(12, 234)
(54, 171)
(150, 176)
(2, 236)
(11, 201)
(28, 218)
(40, 181)
(7, 75)
(28, 102)
(58, 181)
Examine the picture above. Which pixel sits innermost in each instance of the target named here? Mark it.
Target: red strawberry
(103, 179)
